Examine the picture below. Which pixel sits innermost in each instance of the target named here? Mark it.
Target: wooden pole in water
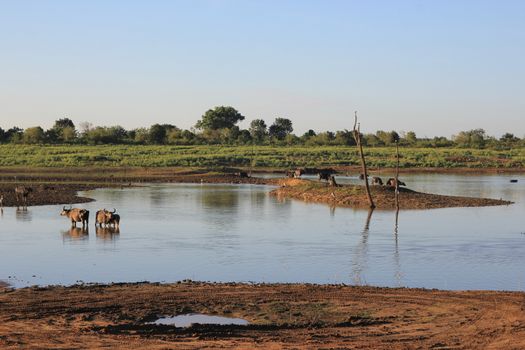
(397, 175)
(357, 137)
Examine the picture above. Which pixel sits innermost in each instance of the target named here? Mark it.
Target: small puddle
(189, 319)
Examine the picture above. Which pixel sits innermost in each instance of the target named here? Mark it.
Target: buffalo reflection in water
(76, 234)
(23, 214)
(108, 233)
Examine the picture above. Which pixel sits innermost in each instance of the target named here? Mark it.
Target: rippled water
(171, 232)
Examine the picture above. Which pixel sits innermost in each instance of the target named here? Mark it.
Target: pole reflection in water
(76, 234)
(361, 251)
(397, 263)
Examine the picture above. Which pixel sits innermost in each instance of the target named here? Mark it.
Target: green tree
(157, 134)
(245, 137)
(69, 134)
(181, 137)
(472, 138)
(188, 137)
(140, 135)
(62, 131)
(291, 139)
(310, 133)
(509, 138)
(258, 130)
(411, 138)
(219, 118)
(106, 135)
(229, 135)
(323, 138)
(63, 123)
(387, 138)
(14, 134)
(371, 140)
(33, 135)
(344, 138)
(394, 137)
(280, 128)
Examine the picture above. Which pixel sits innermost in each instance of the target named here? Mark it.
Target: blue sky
(435, 67)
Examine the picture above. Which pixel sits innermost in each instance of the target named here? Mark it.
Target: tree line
(218, 126)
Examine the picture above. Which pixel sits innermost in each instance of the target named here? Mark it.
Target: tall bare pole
(357, 137)
(397, 175)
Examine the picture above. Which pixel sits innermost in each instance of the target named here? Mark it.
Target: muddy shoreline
(299, 316)
(384, 196)
(52, 186)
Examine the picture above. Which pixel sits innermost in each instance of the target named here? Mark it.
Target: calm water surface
(171, 232)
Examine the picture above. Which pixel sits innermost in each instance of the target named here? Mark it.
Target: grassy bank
(246, 156)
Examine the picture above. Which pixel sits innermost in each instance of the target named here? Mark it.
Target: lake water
(171, 232)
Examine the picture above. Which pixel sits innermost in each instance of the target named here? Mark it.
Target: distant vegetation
(251, 156)
(218, 127)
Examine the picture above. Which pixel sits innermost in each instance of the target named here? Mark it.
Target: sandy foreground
(294, 316)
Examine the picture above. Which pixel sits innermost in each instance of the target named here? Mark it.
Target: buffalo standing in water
(108, 218)
(21, 194)
(331, 181)
(324, 176)
(100, 218)
(114, 220)
(76, 215)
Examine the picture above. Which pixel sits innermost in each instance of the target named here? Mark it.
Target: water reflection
(221, 208)
(258, 198)
(107, 233)
(240, 233)
(157, 198)
(397, 261)
(225, 199)
(23, 214)
(360, 255)
(76, 234)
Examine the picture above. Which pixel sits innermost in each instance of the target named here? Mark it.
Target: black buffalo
(392, 182)
(376, 180)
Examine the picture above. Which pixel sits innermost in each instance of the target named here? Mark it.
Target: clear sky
(435, 67)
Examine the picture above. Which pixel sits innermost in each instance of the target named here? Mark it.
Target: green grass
(246, 156)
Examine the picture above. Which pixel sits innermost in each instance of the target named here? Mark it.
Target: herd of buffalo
(103, 217)
(328, 175)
